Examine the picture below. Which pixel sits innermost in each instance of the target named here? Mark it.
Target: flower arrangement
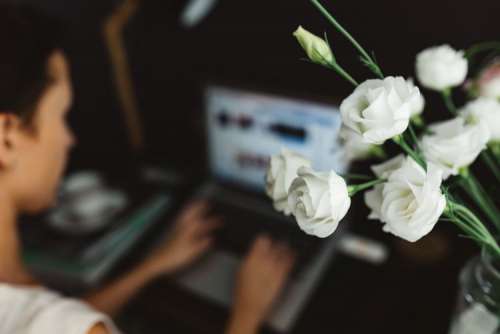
(411, 192)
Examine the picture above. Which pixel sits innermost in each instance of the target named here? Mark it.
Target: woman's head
(35, 96)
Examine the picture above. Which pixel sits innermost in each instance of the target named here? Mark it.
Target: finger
(192, 227)
(288, 260)
(256, 249)
(194, 210)
(285, 265)
(191, 224)
(262, 244)
(279, 250)
(207, 226)
(201, 229)
(280, 253)
(203, 245)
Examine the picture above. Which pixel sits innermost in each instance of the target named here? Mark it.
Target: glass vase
(478, 306)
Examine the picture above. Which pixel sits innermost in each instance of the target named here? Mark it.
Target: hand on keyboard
(191, 236)
(262, 276)
(242, 227)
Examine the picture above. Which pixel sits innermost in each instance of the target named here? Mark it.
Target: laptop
(244, 128)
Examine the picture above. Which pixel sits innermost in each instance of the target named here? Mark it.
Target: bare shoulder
(98, 329)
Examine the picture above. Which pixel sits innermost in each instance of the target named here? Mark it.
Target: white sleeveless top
(36, 310)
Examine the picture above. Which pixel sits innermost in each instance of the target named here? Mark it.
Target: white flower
(441, 67)
(384, 169)
(354, 146)
(454, 144)
(280, 175)
(373, 198)
(486, 110)
(418, 104)
(412, 200)
(316, 48)
(380, 109)
(318, 201)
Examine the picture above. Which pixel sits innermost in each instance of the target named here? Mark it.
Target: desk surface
(413, 292)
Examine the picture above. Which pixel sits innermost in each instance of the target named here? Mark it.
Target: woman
(35, 96)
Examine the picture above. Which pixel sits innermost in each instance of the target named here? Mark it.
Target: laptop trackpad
(214, 279)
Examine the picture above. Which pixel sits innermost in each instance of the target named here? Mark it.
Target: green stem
(414, 137)
(481, 47)
(448, 101)
(473, 221)
(494, 148)
(489, 160)
(408, 150)
(472, 186)
(354, 189)
(471, 225)
(378, 152)
(352, 176)
(418, 121)
(467, 229)
(333, 65)
(337, 68)
(469, 216)
(344, 32)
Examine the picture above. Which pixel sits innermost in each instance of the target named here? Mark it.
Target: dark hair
(28, 38)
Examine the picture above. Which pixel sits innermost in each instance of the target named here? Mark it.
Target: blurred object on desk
(93, 228)
(365, 249)
(86, 205)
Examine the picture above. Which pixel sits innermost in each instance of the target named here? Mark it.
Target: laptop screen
(245, 128)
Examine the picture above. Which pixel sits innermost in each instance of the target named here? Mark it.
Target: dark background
(250, 43)
(245, 42)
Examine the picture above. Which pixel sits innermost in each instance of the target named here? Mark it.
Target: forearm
(242, 322)
(114, 296)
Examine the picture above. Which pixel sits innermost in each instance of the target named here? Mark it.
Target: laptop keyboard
(242, 226)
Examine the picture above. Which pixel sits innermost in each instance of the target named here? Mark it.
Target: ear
(10, 135)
